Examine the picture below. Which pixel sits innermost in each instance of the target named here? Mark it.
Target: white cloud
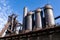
(5, 10)
(0, 8)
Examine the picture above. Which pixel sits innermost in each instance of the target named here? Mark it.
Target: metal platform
(42, 34)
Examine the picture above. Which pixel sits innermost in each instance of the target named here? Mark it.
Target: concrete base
(26, 31)
(36, 29)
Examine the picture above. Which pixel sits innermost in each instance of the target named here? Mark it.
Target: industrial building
(35, 26)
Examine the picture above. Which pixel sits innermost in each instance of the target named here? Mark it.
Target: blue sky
(16, 6)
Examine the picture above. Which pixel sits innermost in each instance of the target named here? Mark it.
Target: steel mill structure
(38, 24)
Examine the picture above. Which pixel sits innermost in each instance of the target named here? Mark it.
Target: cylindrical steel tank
(49, 18)
(38, 21)
(29, 21)
(24, 18)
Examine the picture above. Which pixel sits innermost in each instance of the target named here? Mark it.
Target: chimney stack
(24, 18)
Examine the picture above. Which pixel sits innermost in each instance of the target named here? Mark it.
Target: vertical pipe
(49, 18)
(33, 21)
(29, 21)
(38, 22)
(42, 19)
(43, 22)
(24, 18)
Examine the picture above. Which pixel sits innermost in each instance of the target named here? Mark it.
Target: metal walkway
(42, 34)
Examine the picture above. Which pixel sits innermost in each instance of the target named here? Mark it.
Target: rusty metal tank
(38, 21)
(49, 17)
(29, 21)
